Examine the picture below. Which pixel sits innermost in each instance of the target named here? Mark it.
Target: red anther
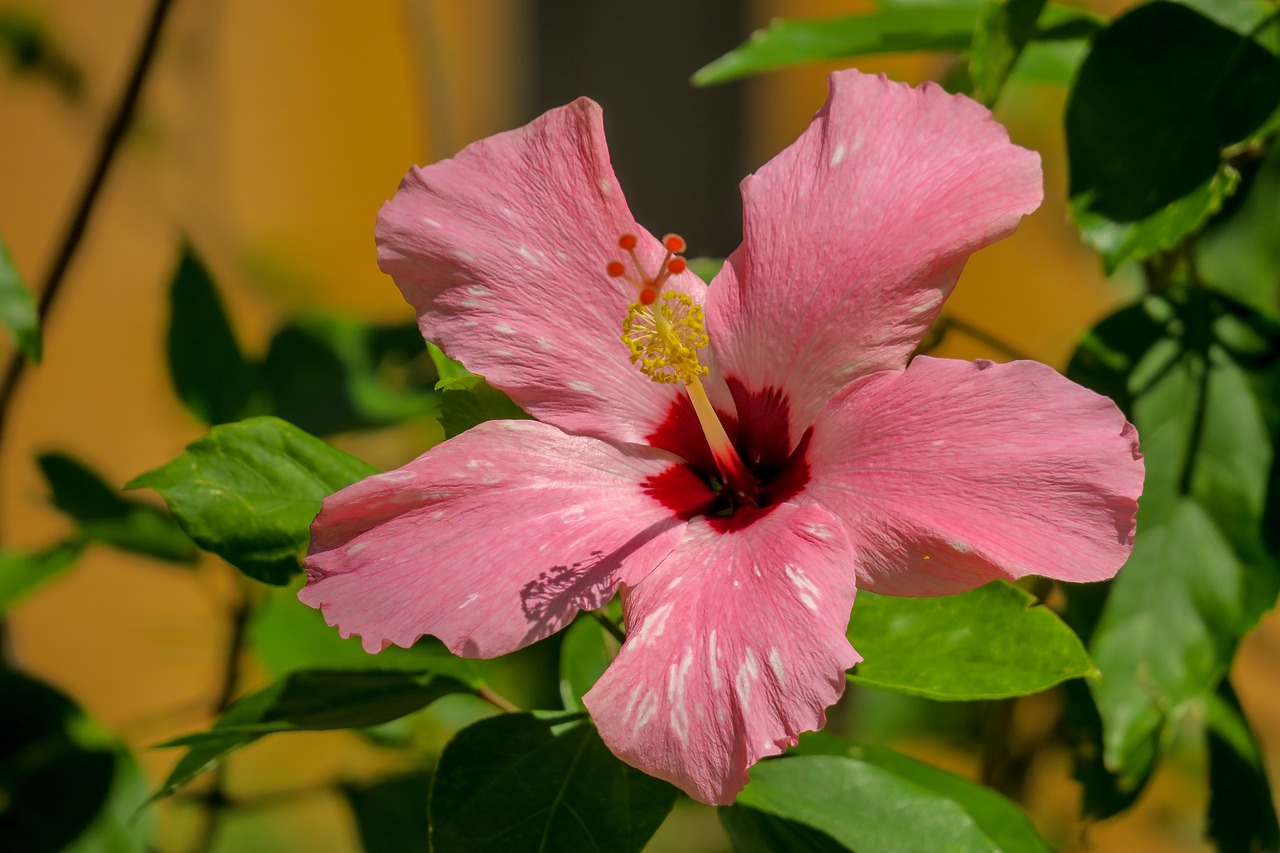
(627, 242)
(616, 269)
(674, 243)
(677, 266)
(648, 295)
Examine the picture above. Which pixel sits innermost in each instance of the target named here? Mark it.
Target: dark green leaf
(872, 799)
(310, 700)
(249, 491)
(23, 571)
(516, 782)
(391, 814)
(1109, 353)
(65, 784)
(585, 652)
(286, 635)
(1242, 812)
(989, 643)
(1003, 29)
(332, 374)
(18, 308)
(1162, 93)
(209, 372)
(103, 515)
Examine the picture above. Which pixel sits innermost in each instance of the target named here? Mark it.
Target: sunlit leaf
(516, 783)
(210, 373)
(467, 399)
(831, 795)
(1002, 31)
(310, 700)
(585, 652)
(249, 491)
(992, 642)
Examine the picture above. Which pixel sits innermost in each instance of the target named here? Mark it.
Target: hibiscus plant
(720, 507)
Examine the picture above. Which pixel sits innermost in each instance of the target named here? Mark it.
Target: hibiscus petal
(495, 538)
(736, 646)
(954, 473)
(857, 232)
(502, 251)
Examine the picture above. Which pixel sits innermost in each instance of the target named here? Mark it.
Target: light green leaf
(835, 796)
(249, 491)
(467, 399)
(992, 642)
(18, 313)
(516, 783)
(103, 515)
(1002, 31)
(1240, 256)
(586, 651)
(309, 700)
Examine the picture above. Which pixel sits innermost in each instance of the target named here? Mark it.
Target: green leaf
(1109, 353)
(311, 700)
(249, 491)
(468, 399)
(587, 649)
(65, 784)
(210, 374)
(23, 571)
(18, 313)
(391, 814)
(706, 268)
(1199, 577)
(516, 782)
(1003, 29)
(871, 799)
(30, 50)
(1240, 256)
(1160, 96)
(890, 30)
(333, 374)
(103, 515)
(894, 28)
(992, 642)
(286, 635)
(1242, 812)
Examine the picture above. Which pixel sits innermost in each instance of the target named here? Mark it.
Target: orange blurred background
(270, 133)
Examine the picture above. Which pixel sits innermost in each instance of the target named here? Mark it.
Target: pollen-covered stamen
(664, 338)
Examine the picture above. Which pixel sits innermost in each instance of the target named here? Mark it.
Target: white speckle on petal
(479, 463)
(352, 550)
(503, 329)
(478, 290)
(397, 477)
(584, 387)
(573, 515)
(503, 353)
(711, 656)
(808, 593)
(529, 256)
(775, 663)
(564, 256)
(958, 546)
(605, 187)
(837, 155)
(546, 344)
(463, 255)
(648, 707)
(817, 531)
(748, 671)
(470, 598)
(654, 625)
(736, 585)
(506, 211)
(676, 678)
(427, 220)
(469, 303)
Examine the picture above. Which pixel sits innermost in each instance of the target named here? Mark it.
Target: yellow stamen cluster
(664, 338)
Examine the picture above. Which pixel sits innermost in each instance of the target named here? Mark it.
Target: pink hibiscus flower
(786, 454)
